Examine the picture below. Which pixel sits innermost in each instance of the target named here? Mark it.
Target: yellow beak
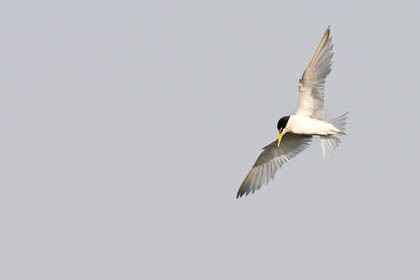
(280, 136)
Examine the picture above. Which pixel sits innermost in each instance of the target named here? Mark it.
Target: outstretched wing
(311, 85)
(271, 159)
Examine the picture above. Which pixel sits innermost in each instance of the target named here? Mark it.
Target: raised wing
(271, 159)
(311, 85)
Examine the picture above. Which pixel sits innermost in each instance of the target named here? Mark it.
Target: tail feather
(330, 143)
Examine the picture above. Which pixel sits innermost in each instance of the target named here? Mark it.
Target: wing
(271, 159)
(311, 85)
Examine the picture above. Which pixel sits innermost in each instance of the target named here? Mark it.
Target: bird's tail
(331, 142)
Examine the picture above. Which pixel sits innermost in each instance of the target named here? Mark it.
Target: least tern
(296, 131)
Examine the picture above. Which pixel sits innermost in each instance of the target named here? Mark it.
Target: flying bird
(296, 131)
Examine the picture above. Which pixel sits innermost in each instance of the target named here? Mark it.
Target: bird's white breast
(304, 125)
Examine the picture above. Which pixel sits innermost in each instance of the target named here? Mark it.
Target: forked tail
(330, 143)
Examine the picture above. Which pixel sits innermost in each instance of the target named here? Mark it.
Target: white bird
(296, 131)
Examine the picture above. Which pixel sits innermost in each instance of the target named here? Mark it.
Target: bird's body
(299, 124)
(296, 131)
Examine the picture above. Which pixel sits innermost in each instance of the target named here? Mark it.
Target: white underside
(304, 125)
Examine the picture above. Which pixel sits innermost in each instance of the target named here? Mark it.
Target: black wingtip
(241, 193)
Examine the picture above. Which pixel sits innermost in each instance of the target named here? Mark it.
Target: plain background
(127, 128)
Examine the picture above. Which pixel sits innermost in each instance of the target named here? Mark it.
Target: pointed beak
(280, 136)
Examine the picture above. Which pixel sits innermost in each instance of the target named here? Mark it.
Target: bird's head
(281, 126)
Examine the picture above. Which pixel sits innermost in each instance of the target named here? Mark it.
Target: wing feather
(312, 83)
(271, 159)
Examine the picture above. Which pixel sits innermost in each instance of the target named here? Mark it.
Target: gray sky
(127, 129)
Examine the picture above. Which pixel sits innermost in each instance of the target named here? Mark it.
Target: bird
(295, 132)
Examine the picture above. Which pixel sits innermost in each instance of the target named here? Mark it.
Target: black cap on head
(282, 123)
